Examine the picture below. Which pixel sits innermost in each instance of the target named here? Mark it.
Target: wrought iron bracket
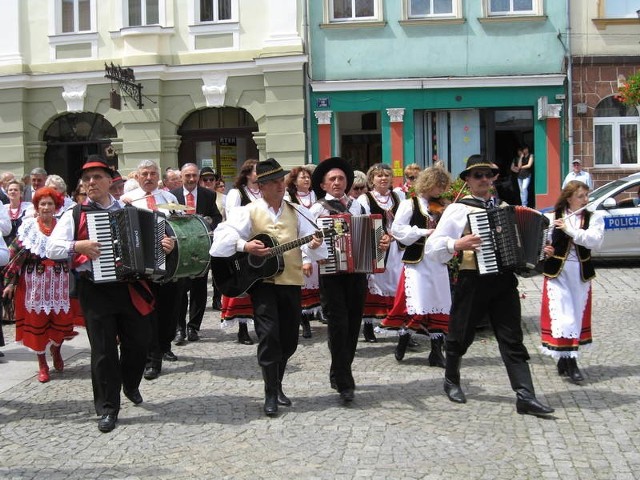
(126, 81)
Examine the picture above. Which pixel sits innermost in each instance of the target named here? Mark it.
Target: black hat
(207, 171)
(96, 161)
(329, 164)
(117, 177)
(269, 169)
(478, 161)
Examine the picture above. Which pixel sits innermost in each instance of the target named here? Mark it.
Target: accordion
(513, 239)
(130, 244)
(354, 248)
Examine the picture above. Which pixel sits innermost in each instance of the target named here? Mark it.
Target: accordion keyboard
(486, 254)
(99, 229)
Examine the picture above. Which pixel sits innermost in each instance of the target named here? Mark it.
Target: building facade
(605, 46)
(221, 81)
(415, 81)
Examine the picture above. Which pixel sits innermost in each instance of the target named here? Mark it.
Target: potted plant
(629, 92)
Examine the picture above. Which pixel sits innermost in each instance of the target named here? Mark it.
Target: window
(214, 10)
(619, 8)
(143, 12)
(430, 8)
(74, 16)
(354, 10)
(513, 7)
(616, 129)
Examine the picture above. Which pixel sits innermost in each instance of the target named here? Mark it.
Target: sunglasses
(411, 178)
(479, 175)
(358, 188)
(208, 180)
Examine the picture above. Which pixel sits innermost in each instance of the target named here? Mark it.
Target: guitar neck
(280, 249)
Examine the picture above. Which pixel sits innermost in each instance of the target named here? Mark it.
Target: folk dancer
(475, 295)
(276, 300)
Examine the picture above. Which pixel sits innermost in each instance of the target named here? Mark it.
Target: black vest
(413, 253)
(375, 208)
(562, 243)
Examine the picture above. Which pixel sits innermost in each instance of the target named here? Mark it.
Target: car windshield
(604, 190)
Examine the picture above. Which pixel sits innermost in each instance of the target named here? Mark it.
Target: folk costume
(42, 309)
(238, 309)
(423, 297)
(275, 300)
(382, 286)
(565, 317)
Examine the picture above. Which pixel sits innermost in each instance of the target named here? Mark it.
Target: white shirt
(160, 196)
(581, 176)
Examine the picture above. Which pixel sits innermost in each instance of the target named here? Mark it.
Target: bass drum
(190, 256)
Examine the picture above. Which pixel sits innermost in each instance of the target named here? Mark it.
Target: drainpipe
(307, 76)
(570, 87)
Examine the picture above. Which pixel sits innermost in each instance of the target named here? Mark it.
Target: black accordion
(513, 240)
(130, 244)
(355, 247)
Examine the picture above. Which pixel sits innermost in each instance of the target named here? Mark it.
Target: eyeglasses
(204, 179)
(411, 178)
(358, 188)
(479, 175)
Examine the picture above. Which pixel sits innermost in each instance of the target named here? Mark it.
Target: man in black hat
(117, 314)
(342, 295)
(495, 295)
(276, 300)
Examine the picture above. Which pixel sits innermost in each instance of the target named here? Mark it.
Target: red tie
(151, 203)
(191, 203)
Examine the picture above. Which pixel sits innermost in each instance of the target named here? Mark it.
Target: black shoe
(282, 398)
(436, 357)
(562, 366)
(133, 395)
(306, 327)
(401, 348)
(454, 391)
(270, 405)
(151, 373)
(192, 335)
(170, 356)
(180, 337)
(243, 335)
(347, 395)
(1, 354)
(216, 304)
(573, 371)
(369, 336)
(531, 406)
(107, 422)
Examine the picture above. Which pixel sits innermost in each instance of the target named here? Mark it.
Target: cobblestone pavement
(203, 417)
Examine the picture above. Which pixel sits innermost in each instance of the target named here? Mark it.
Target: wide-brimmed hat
(269, 169)
(116, 177)
(207, 172)
(324, 167)
(96, 161)
(478, 161)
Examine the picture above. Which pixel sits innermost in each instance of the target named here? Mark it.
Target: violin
(437, 206)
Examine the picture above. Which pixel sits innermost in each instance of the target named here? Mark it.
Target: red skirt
(236, 308)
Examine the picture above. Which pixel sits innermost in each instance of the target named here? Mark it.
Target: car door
(621, 210)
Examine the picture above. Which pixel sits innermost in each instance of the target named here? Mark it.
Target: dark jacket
(205, 204)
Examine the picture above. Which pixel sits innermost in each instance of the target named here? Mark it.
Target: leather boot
(282, 398)
(58, 362)
(43, 373)
(436, 357)
(452, 379)
(401, 348)
(270, 376)
(573, 371)
(367, 330)
(522, 384)
(306, 326)
(243, 334)
(562, 366)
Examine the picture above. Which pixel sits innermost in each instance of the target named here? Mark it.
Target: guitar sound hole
(255, 261)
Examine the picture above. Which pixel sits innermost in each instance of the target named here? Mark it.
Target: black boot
(522, 384)
(306, 327)
(452, 379)
(401, 348)
(282, 398)
(270, 376)
(367, 330)
(573, 371)
(562, 366)
(243, 334)
(436, 357)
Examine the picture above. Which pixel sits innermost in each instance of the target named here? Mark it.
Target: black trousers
(111, 317)
(196, 288)
(276, 315)
(342, 297)
(164, 319)
(493, 295)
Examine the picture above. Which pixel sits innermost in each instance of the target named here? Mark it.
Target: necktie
(151, 202)
(191, 203)
(489, 203)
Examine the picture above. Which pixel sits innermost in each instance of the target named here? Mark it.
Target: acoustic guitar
(236, 274)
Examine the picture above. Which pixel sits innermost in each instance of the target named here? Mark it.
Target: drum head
(190, 257)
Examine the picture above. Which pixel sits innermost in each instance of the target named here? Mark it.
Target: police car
(620, 202)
